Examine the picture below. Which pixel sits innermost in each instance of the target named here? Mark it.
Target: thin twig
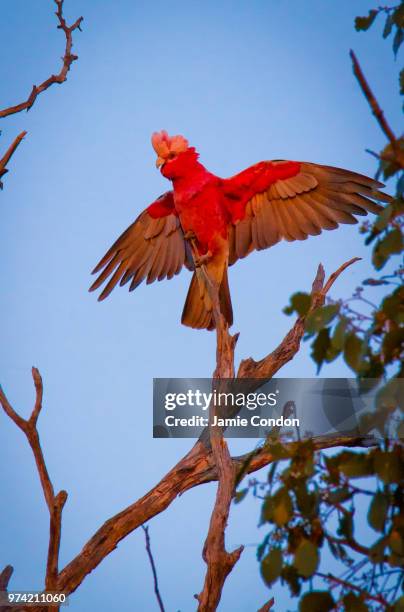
(67, 60)
(267, 607)
(153, 567)
(267, 367)
(348, 585)
(376, 109)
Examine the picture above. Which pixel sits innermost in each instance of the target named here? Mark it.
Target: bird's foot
(201, 260)
(189, 235)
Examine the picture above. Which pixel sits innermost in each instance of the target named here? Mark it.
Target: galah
(225, 219)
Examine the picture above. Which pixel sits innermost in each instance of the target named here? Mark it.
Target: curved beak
(160, 161)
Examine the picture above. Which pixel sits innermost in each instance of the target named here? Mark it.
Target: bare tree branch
(219, 562)
(267, 607)
(67, 60)
(8, 155)
(267, 367)
(55, 503)
(376, 110)
(199, 466)
(153, 567)
(5, 576)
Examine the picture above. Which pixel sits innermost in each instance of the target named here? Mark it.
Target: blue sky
(243, 81)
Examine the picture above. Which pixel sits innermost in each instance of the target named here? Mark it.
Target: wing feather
(153, 247)
(299, 199)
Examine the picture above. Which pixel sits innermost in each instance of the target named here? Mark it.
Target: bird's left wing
(153, 247)
(276, 200)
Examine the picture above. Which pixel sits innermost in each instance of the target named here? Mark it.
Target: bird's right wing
(153, 247)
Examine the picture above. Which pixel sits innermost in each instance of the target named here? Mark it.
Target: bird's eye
(171, 155)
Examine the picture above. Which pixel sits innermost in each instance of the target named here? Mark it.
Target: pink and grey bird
(226, 219)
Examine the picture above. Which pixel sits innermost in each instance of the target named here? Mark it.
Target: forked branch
(67, 60)
(267, 367)
(199, 466)
(54, 502)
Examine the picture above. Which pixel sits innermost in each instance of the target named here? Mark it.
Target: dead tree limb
(197, 467)
(267, 607)
(376, 110)
(267, 367)
(8, 155)
(219, 562)
(5, 576)
(67, 60)
(54, 502)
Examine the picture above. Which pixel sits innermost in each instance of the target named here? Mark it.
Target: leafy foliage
(310, 507)
(394, 23)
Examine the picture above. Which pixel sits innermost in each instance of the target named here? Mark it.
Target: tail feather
(197, 311)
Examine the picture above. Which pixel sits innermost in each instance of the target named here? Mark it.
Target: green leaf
(299, 302)
(283, 507)
(353, 603)
(393, 344)
(346, 526)
(396, 543)
(364, 23)
(271, 566)
(240, 495)
(376, 552)
(383, 218)
(399, 605)
(316, 601)
(262, 547)
(355, 465)
(320, 347)
(353, 351)
(338, 337)
(378, 510)
(306, 500)
(320, 317)
(388, 467)
(291, 577)
(306, 558)
(391, 244)
(389, 167)
(267, 511)
(398, 16)
(389, 396)
(393, 306)
(388, 26)
(339, 495)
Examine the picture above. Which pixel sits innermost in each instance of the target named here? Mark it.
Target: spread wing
(292, 200)
(153, 247)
